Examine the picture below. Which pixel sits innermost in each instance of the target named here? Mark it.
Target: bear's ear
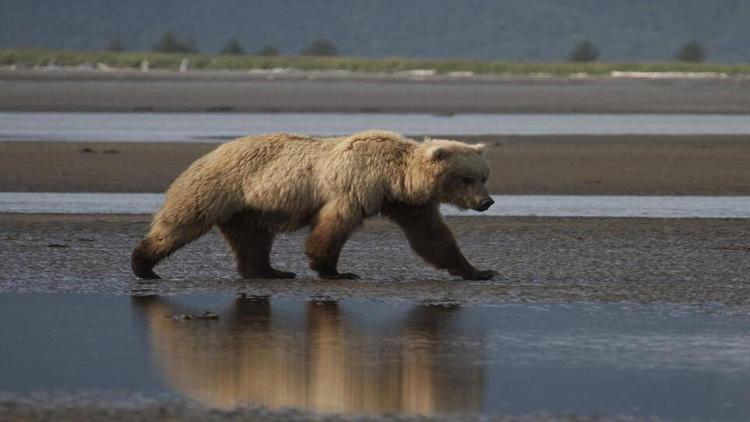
(479, 148)
(437, 153)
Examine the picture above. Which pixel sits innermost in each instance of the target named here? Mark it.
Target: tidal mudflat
(40, 90)
(689, 261)
(556, 164)
(590, 319)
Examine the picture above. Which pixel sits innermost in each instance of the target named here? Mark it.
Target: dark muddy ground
(699, 261)
(610, 165)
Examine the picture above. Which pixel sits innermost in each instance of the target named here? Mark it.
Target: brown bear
(255, 187)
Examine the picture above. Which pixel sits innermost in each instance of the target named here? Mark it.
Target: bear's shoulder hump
(375, 137)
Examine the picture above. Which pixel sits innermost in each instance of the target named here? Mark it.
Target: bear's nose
(484, 205)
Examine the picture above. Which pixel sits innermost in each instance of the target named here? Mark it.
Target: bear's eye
(484, 180)
(467, 180)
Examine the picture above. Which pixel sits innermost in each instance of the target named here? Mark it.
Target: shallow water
(210, 127)
(355, 356)
(506, 205)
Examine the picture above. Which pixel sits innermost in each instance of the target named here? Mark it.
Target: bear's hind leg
(251, 243)
(162, 240)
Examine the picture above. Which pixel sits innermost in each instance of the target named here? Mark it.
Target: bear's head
(455, 173)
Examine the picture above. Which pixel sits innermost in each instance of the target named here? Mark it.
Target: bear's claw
(280, 274)
(269, 274)
(481, 275)
(340, 276)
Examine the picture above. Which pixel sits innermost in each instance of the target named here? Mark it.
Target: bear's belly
(281, 220)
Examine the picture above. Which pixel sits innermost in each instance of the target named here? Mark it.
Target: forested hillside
(538, 30)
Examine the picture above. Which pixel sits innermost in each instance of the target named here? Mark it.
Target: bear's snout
(484, 205)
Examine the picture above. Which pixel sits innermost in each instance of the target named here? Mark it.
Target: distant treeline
(691, 52)
(584, 52)
(184, 60)
(171, 42)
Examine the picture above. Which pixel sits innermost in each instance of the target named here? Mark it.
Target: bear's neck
(417, 186)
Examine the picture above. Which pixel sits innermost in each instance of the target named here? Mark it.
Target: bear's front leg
(332, 227)
(432, 239)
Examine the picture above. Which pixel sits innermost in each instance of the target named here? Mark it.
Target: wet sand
(622, 165)
(686, 261)
(60, 90)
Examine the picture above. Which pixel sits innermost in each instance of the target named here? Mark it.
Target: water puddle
(359, 356)
(212, 127)
(506, 205)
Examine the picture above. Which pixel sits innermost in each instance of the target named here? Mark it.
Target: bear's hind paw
(481, 275)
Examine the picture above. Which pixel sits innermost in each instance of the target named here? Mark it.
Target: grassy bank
(41, 57)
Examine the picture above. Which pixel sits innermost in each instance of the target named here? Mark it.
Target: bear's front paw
(481, 275)
(339, 276)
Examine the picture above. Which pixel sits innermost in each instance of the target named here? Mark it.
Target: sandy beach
(643, 165)
(119, 90)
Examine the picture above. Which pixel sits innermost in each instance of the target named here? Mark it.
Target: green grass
(41, 57)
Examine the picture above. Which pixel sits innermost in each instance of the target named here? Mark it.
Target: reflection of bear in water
(255, 357)
(255, 187)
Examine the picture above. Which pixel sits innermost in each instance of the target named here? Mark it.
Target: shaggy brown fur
(255, 187)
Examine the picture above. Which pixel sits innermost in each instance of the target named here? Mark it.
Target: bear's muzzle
(484, 205)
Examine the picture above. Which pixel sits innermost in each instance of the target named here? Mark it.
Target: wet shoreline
(654, 309)
(596, 206)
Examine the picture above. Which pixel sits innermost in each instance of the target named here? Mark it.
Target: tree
(584, 51)
(320, 47)
(190, 45)
(171, 43)
(232, 47)
(268, 50)
(116, 44)
(692, 51)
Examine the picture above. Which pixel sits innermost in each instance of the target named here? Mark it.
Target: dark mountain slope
(505, 29)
